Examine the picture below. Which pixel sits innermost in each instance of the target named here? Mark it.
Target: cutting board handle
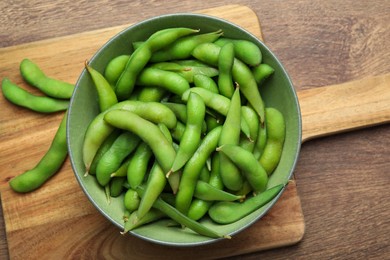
(344, 107)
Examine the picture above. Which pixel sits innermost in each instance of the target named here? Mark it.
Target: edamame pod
(193, 169)
(230, 134)
(131, 200)
(141, 56)
(209, 53)
(167, 80)
(49, 164)
(261, 72)
(188, 72)
(226, 212)
(22, 98)
(147, 131)
(123, 145)
(115, 67)
(133, 221)
(151, 94)
(191, 138)
(205, 191)
(106, 94)
(276, 132)
(98, 130)
(52, 87)
(254, 173)
(116, 186)
(102, 150)
(182, 48)
(225, 65)
(246, 51)
(203, 81)
(261, 141)
(154, 186)
(122, 170)
(199, 207)
(176, 215)
(252, 119)
(138, 165)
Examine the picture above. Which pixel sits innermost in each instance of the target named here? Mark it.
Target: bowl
(278, 92)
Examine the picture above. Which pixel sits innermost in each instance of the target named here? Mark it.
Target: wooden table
(342, 179)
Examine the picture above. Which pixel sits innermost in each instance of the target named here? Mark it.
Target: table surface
(342, 179)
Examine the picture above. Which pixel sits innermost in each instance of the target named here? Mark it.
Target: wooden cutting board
(58, 221)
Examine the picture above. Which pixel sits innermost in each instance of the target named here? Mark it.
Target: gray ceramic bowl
(277, 92)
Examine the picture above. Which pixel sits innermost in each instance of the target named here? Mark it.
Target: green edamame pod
(106, 94)
(147, 131)
(116, 186)
(170, 66)
(204, 174)
(212, 100)
(122, 170)
(180, 111)
(276, 132)
(253, 171)
(216, 102)
(209, 53)
(261, 72)
(205, 191)
(246, 51)
(191, 138)
(52, 87)
(215, 178)
(138, 165)
(123, 145)
(179, 217)
(137, 44)
(115, 68)
(151, 94)
(131, 200)
(178, 131)
(230, 134)
(226, 212)
(212, 122)
(49, 164)
(193, 169)
(206, 82)
(252, 119)
(22, 98)
(245, 189)
(141, 56)
(261, 141)
(133, 221)
(225, 65)
(199, 207)
(98, 130)
(154, 186)
(167, 80)
(102, 150)
(182, 48)
(188, 72)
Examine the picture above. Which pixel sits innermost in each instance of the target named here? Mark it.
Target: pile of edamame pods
(54, 97)
(183, 131)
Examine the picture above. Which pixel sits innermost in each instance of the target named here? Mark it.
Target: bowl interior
(278, 92)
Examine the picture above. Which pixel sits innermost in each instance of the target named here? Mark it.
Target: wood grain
(59, 218)
(345, 107)
(342, 179)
